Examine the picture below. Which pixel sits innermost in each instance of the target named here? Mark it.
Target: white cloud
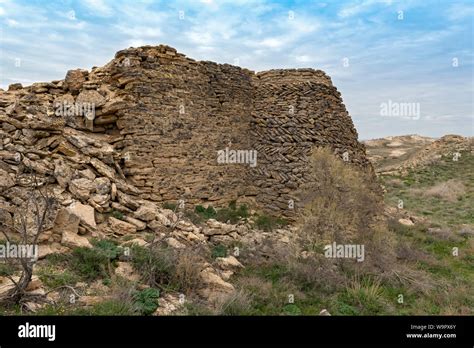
(144, 32)
(12, 22)
(98, 7)
(273, 42)
(200, 38)
(460, 11)
(303, 59)
(357, 7)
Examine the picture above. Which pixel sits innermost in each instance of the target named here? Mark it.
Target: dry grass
(168, 268)
(417, 280)
(187, 271)
(407, 251)
(238, 303)
(449, 190)
(369, 287)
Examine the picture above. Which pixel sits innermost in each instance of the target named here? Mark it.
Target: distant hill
(400, 153)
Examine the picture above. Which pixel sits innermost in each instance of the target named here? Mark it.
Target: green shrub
(168, 269)
(232, 214)
(7, 269)
(194, 217)
(108, 247)
(219, 251)
(205, 213)
(200, 214)
(146, 301)
(269, 223)
(363, 295)
(58, 259)
(54, 279)
(93, 263)
(291, 309)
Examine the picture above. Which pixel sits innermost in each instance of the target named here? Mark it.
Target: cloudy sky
(379, 53)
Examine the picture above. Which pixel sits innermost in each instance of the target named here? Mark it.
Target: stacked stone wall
(162, 118)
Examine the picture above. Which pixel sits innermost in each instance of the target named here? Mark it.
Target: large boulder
(146, 213)
(215, 288)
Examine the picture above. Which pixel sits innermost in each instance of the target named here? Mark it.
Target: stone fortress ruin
(166, 127)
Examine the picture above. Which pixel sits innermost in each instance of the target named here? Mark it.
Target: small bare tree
(26, 227)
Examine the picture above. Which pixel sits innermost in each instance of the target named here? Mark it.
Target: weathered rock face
(149, 126)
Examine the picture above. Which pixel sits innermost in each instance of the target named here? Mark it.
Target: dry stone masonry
(295, 110)
(148, 128)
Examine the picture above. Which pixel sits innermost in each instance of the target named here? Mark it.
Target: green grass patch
(218, 250)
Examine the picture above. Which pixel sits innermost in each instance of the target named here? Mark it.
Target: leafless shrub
(26, 228)
(187, 272)
(340, 202)
(344, 205)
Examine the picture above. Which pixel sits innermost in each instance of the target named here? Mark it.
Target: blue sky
(373, 52)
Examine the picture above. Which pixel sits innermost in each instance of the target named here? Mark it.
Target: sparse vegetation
(205, 213)
(421, 269)
(442, 192)
(219, 251)
(96, 262)
(117, 214)
(268, 222)
(155, 265)
(231, 214)
(55, 278)
(165, 268)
